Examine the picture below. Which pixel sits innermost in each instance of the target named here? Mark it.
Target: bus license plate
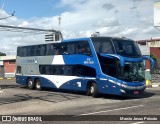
(136, 92)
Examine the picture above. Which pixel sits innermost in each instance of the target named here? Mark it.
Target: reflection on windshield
(133, 72)
(127, 48)
(103, 45)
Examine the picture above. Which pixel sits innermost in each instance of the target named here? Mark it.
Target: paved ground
(18, 100)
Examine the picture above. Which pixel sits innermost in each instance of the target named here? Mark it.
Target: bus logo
(88, 61)
(6, 118)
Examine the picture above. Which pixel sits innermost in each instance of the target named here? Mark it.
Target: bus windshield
(127, 48)
(133, 72)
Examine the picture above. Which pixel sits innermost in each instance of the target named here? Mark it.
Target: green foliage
(153, 57)
(2, 54)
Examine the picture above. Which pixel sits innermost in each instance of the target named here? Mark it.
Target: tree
(154, 57)
(2, 54)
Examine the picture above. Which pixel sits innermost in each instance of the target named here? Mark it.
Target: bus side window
(64, 48)
(41, 69)
(28, 51)
(80, 70)
(48, 69)
(57, 49)
(45, 69)
(55, 70)
(19, 51)
(68, 48)
(77, 70)
(47, 49)
(97, 46)
(91, 72)
(68, 70)
(83, 47)
(50, 49)
(71, 48)
(37, 49)
(24, 51)
(106, 47)
(18, 69)
(42, 50)
(34, 50)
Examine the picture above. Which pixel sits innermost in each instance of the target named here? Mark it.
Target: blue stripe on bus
(104, 87)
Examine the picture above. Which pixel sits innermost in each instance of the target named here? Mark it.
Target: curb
(6, 78)
(155, 85)
(149, 84)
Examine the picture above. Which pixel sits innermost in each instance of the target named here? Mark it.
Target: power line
(25, 29)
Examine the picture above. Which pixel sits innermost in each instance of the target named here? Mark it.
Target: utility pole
(59, 22)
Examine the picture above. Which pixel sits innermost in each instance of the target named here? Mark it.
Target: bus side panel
(75, 85)
(20, 79)
(106, 87)
(63, 82)
(56, 82)
(45, 83)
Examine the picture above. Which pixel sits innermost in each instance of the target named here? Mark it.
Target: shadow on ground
(55, 96)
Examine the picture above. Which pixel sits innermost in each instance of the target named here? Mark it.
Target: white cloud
(127, 31)
(128, 18)
(23, 24)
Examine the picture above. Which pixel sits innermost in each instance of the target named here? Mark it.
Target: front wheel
(38, 85)
(92, 90)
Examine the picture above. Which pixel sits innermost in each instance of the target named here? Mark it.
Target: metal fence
(155, 74)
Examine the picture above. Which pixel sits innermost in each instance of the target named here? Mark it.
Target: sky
(133, 19)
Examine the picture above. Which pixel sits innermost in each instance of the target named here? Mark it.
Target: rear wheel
(38, 85)
(92, 90)
(30, 84)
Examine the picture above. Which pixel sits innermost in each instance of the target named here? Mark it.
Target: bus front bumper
(133, 91)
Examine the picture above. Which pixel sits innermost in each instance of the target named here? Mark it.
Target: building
(154, 45)
(7, 66)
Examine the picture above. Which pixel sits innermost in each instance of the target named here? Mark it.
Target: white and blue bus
(95, 65)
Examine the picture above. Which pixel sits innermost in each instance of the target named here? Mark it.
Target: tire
(38, 85)
(92, 90)
(30, 84)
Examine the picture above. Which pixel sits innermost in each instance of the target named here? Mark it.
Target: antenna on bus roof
(96, 34)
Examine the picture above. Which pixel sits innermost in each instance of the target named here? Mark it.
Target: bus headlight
(123, 91)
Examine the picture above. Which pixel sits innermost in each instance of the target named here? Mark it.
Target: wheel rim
(92, 89)
(30, 83)
(38, 85)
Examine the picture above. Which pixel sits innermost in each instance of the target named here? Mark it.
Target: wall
(9, 68)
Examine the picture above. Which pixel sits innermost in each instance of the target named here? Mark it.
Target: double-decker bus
(95, 65)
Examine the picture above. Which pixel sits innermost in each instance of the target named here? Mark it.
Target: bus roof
(77, 39)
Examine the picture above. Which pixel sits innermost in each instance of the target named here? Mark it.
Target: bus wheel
(30, 84)
(38, 85)
(92, 90)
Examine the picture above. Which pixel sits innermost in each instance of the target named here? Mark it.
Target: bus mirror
(151, 61)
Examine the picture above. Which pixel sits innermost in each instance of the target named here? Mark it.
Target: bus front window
(127, 48)
(133, 72)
